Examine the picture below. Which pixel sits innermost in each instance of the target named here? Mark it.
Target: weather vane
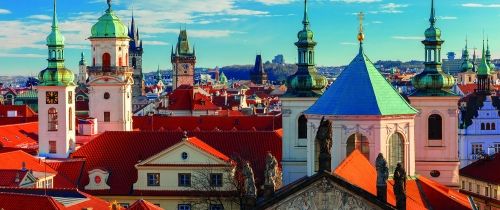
(109, 4)
(361, 36)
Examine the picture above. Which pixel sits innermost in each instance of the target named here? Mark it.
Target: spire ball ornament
(361, 35)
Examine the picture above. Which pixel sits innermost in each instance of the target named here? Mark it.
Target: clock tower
(110, 76)
(56, 104)
(183, 62)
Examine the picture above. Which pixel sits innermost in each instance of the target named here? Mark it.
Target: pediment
(104, 80)
(183, 153)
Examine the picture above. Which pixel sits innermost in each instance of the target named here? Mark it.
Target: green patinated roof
(109, 26)
(484, 67)
(30, 94)
(361, 90)
(55, 37)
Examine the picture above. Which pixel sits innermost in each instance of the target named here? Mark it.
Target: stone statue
(400, 187)
(250, 189)
(324, 138)
(271, 172)
(382, 176)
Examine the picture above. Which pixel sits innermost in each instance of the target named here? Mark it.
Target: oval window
(435, 173)
(106, 95)
(184, 155)
(97, 179)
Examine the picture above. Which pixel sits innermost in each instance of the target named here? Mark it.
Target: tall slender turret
(483, 75)
(135, 57)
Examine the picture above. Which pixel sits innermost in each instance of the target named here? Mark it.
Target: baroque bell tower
(183, 62)
(110, 76)
(56, 100)
(436, 145)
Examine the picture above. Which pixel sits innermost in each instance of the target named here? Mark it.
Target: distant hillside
(275, 72)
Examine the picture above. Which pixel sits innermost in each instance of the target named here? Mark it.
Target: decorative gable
(98, 179)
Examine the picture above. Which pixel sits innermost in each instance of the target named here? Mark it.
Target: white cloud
(476, 5)
(24, 55)
(4, 12)
(447, 18)
(357, 1)
(349, 43)
(392, 8)
(408, 37)
(377, 22)
(157, 43)
(40, 17)
(274, 2)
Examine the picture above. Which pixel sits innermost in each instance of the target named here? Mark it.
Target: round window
(97, 179)
(184, 155)
(106, 95)
(435, 173)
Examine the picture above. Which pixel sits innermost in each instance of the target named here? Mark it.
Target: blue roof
(361, 90)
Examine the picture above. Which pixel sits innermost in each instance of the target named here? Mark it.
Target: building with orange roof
(17, 163)
(144, 205)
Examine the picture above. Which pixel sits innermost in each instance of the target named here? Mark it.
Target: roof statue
(382, 176)
(324, 138)
(400, 187)
(250, 189)
(271, 175)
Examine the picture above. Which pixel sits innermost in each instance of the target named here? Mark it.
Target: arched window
(134, 62)
(52, 119)
(120, 62)
(302, 130)
(360, 142)
(70, 112)
(106, 61)
(310, 57)
(93, 62)
(80, 98)
(488, 126)
(482, 126)
(435, 127)
(493, 126)
(126, 59)
(395, 151)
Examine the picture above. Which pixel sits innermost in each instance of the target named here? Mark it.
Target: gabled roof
(486, 170)
(48, 199)
(422, 193)
(22, 110)
(119, 152)
(143, 205)
(13, 161)
(361, 90)
(13, 178)
(68, 172)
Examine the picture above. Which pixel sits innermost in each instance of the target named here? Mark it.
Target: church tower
(110, 76)
(56, 104)
(82, 74)
(304, 88)
(258, 75)
(135, 58)
(183, 62)
(466, 75)
(484, 78)
(437, 121)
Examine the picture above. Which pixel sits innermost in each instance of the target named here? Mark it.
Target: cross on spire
(361, 36)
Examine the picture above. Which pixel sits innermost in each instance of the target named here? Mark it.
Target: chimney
(382, 176)
(23, 166)
(18, 179)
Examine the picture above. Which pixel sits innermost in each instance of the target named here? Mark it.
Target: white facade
(56, 130)
(437, 159)
(82, 73)
(378, 131)
(294, 160)
(481, 135)
(110, 84)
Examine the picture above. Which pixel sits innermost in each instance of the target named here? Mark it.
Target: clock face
(51, 97)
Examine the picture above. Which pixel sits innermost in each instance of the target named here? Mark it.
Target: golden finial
(114, 205)
(361, 36)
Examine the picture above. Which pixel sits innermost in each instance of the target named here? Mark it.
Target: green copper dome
(433, 34)
(484, 67)
(433, 81)
(466, 64)
(109, 26)
(56, 77)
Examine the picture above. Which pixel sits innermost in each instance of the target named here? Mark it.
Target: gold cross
(361, 17)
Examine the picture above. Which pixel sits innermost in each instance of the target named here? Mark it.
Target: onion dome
(466, 64)
(109, 26)
(56, 74)
(433, 81)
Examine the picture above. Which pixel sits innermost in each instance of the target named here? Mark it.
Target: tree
(31, 82)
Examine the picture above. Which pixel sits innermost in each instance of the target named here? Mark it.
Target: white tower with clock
(110, 76)
(56, 106)
(183, 62)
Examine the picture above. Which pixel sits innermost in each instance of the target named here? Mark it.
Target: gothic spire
(55, 23)
(432, 19)
(305, 22)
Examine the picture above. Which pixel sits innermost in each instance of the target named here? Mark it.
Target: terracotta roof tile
(486, 170)
(143, 205)
(13, 161)
(15, 201)
(8, 177)
(118, 152)
(19, 135)
(68, 172)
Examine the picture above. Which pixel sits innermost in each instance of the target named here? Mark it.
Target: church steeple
(466, 63)
(433, 81)
(483, 75)
(306, 82)
(488, 55)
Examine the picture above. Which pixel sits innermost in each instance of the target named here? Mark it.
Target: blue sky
(229, 32)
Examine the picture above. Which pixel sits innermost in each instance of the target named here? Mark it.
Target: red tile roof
(42, 199)
(186, 98)
(207, 123)
(486, 170)
(356, 164)
(143, 205)
(68, 172)
(13, 161)
(8, 178)
(118, 152)
(471, 88)
(19, 135)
